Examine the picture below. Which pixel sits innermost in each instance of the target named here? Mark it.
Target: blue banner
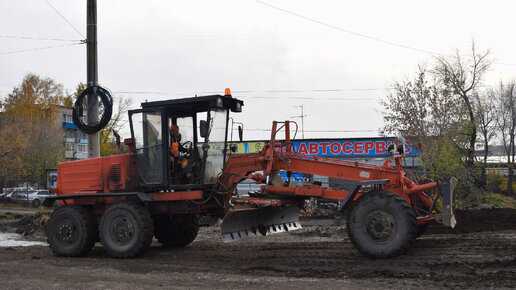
(347, 147)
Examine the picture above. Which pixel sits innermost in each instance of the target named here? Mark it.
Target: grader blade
(447, 215)
(244, 224)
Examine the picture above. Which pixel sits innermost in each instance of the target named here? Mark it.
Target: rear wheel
(381, 224)
(176, 230)
(126, 229)
(71, 231)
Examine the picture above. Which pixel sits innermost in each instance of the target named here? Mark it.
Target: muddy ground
(480, 253)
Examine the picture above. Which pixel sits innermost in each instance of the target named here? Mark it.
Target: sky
(337, 59)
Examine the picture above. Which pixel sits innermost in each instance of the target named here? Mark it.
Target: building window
(82, 148)
(70, 147)
(68, 118)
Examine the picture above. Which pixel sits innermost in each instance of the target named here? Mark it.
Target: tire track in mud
(475, 259)
(320, 251)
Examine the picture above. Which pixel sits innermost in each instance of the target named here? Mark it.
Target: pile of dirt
(32, 226)
(479, 220)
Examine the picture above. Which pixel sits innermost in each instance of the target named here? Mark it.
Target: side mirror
(391, 149)
(240, 133)
(203, 128)
(401, 149)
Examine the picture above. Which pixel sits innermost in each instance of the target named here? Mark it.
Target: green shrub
(498, 183)
(478, 197)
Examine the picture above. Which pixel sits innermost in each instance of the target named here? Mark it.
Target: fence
(9, 183)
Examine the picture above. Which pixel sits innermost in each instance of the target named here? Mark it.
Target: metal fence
(27, 182)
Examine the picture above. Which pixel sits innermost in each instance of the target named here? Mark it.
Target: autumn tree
(117, 122)
(32, 109)
(462, 77)
(424, 112)
(505, 99)
(485, 116)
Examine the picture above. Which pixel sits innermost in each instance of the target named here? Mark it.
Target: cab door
(147, 130)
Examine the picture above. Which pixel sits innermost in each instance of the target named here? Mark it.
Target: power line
(309, 98)
(206, 37)
(40, 48)
(65, 19)
(388, 42)
(253, 91)
(37, 38)
(349, 31)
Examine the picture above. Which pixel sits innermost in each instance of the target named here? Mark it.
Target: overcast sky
(336, 58)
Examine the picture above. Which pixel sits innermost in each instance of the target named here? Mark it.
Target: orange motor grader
(123, 201)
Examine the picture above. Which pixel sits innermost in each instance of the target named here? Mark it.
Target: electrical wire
(77, 112)
(362, 35)
(64, 18)
(38, 38)
(40, 48)
(349, 31)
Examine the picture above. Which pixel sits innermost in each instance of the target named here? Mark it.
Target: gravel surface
(480, 253)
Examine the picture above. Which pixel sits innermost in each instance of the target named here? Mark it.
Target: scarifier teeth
(261, 230)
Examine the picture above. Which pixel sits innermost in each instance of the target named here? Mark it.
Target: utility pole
(92, 71)
(302, 116)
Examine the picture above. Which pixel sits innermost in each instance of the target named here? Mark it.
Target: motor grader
(124, 200)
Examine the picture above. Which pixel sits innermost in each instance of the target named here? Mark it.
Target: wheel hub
(379, 226)
(66, 232)
(122, 230)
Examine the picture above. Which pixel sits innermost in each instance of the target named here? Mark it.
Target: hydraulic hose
(78, 109)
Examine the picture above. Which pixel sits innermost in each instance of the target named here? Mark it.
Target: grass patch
(4, 215)
(495, 199)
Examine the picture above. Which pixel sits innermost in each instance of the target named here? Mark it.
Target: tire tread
(87, 222)
(386, 197)
(145, 236)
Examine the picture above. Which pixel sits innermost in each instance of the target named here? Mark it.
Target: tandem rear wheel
(381, 224)
(126, 229)
(71, 231)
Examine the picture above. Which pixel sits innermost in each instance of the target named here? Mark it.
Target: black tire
(71, 231)
(381, 224)
(126, 229)
(177, 230)
(36, 203)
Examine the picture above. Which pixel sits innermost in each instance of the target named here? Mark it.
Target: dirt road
(318, 256)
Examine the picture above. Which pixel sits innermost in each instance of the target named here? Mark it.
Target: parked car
(19, 196)
(248, 186)
(5, 196)
(26, 195)
(36, 198)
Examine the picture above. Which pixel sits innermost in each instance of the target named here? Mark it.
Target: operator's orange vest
(174, 149)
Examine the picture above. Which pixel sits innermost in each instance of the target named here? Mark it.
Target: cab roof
(197, 104)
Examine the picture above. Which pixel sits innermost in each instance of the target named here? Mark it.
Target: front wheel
(126, 229)
(381, 224)
(71, 231)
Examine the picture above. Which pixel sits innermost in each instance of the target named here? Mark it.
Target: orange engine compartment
(96, 175)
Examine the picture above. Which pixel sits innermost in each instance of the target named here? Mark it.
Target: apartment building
(75, 140)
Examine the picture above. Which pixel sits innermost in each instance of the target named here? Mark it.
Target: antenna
(302, 116)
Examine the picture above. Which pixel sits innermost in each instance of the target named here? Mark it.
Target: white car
(36, 198)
